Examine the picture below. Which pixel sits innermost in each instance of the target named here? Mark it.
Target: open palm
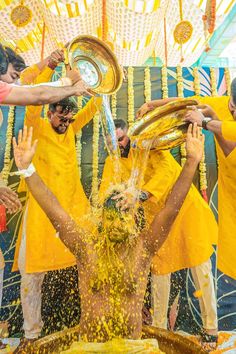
(24, 150)
(195, 142)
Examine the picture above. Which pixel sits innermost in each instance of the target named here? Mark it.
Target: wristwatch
(143, 196)
(205, 121)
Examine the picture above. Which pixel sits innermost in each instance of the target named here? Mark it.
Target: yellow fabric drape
(226, 192)
(195, 229)
(229, 130)
(55, 162)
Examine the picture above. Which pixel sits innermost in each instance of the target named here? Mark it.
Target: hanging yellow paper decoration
(183, 30)
(21, 15)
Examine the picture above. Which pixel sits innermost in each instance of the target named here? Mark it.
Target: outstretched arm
(60, 219)
(163, 221)
(149, 106)
(220, 129)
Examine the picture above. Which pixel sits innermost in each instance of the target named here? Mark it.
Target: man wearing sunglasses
(39, 249)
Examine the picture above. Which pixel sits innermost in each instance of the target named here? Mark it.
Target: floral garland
(96, 120)
(113, 105)
(78, 145)
(228, 81)
(130, 95)
(179, 77)
(213, 82)
(203, 177)
(147, 84)
(164, 86)
(196, 81)
(7, 155)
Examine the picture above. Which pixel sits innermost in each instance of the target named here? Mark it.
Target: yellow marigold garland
(147, 84)
(113, 105)
(213, 82)
(164, 82)
(130, 95)
(228, 81)
(179, 77)
(96, 120)
(9, 134)
(196, 81)
(203, 177)
(78, 145)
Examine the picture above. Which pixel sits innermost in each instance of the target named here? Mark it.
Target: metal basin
(169, 342)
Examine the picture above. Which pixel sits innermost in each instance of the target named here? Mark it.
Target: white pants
(203, 280)
(31, 295)
(1, 286)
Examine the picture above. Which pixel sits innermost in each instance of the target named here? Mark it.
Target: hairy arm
(163, 221)
(38, 96)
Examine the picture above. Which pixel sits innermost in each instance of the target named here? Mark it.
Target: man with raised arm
(219, 117)
(113, 261)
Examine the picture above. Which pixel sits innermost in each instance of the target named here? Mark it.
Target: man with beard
(38, 248)
(179, 250)
(113, 260)
(219, 117)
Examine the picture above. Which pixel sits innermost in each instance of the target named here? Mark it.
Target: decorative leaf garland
(228, 81)
(213, 82)
(78, 145)
(113, 105)
(96, 121)
(196, 81)
(180, 86)
(164, 82)
(147, 84)
(9, 134)
(130, 95)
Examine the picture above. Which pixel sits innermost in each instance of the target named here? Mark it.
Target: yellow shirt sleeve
(86, 114)
(29, 75)
(33, 113)
(229, 130)
(219, 104)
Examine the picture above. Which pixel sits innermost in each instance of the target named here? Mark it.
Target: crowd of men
(113, 258)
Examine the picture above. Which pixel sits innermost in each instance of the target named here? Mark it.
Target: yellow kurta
(229, 130)
(55, 162)
(195, 229)
(226, 192)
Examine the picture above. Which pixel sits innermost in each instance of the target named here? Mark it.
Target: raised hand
(24, 150)
(82, 89)
(194, 115)
(145, 108)
(55, 58)
(73, 75)
(195, 143)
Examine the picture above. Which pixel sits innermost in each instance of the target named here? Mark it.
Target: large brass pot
(163, 128)
(169, 342)
(97, 64)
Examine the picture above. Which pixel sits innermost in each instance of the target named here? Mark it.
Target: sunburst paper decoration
(183, 30)
(21, 15)
(209, 19)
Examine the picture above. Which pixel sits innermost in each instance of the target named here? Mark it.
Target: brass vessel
(97, 64)
(169, 342)
(163, 128)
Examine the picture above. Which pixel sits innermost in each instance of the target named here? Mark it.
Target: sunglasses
(65, 120)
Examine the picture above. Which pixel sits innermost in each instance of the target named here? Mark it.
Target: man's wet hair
(233, 90)
(111, 204)
(7, 55)
(120, 123)
(68, 105)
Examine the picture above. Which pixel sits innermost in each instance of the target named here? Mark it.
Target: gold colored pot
(97, 64)
(169, 342)
(163, 128)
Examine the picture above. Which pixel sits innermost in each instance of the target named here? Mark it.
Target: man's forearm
(162, 102)
(39, 95)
